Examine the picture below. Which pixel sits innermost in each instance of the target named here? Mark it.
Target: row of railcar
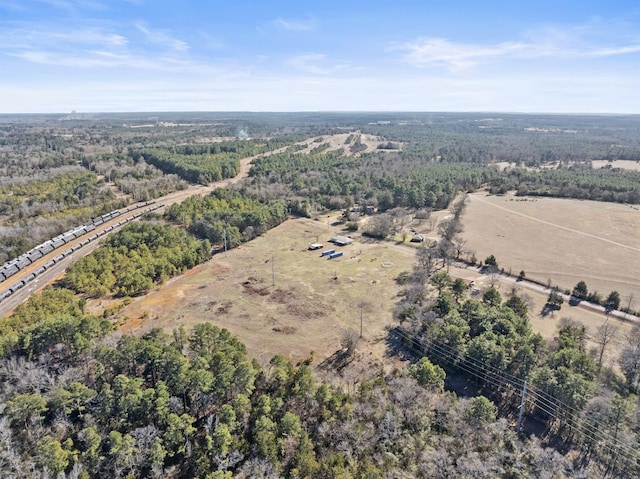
(24, 281)
(12, 267)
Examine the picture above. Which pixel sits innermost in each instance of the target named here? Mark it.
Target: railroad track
(27, 268)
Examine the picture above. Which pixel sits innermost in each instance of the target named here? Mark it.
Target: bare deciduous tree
(605, 334)
(349, 341)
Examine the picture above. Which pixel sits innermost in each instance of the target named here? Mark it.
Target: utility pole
(361, 313)
(225, 242)
(524, 391)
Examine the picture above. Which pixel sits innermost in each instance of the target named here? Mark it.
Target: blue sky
(312, 55)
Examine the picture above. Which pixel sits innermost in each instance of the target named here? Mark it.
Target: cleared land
(339, 142)
(314, 299)
(624, 164)
(312, 302)
(559, 239)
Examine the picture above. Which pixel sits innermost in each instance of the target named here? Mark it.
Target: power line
(595, 433)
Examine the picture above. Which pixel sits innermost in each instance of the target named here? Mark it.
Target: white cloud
(227, 90)
(91, 47)
(456, 56)
(293, 25)
(161, 37)
(548, 42)
(316, 64)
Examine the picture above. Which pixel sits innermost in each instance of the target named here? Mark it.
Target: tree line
(79, 401)
(491, 337)
(134, 259)
(227, 216)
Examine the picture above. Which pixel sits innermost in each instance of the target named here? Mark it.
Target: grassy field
(559, 239)
(280, 298)
(311, 303)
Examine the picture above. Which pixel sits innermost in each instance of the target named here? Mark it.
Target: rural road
(57, 271)
(526, 284)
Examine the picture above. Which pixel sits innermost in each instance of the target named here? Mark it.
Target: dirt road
(57, 271)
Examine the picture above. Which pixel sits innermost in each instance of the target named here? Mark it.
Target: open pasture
(563, 240)
(307, 309)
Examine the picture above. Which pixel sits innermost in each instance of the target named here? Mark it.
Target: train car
(58, 242)
(79, 232)
(5, 294)
(11, 270)
(89, 228)
(30, 278)
(49, 264)
(23, 262)
(58, 258)
(46, 248)
(34, 255)
(40, 270)
(76, 247)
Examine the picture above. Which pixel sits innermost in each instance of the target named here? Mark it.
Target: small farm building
(341, 240)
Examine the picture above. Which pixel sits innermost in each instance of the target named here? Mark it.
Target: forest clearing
(564, 240)
(314, 299)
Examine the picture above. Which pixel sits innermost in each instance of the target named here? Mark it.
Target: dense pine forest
(78, 403)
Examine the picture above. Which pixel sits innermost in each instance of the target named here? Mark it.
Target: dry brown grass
(624, 164)
(313, 300)
(559, 239)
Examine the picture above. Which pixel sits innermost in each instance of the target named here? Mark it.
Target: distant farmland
(559, 239)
